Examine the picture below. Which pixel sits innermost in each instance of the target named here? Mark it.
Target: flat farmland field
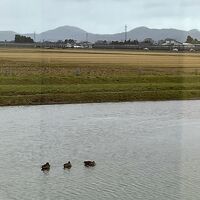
(50, 76)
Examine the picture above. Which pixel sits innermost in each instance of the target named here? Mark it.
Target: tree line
(191, 40)
(23, 39)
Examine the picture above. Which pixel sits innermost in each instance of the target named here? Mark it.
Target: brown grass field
(36, 76)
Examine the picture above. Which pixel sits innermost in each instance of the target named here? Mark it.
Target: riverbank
(33, 77)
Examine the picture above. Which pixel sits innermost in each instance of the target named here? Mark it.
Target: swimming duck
(89, 163)
(45, 167)
(68, 165)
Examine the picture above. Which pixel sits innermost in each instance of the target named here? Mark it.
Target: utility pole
(86, 37)
(34, 35)
(126, 33)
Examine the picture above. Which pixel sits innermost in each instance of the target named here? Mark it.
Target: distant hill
(7, 35)
(140, 33)
(61, 33)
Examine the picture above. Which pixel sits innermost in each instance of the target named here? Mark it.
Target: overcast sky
(98, 16)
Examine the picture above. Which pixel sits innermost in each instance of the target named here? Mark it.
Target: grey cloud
(98, 16)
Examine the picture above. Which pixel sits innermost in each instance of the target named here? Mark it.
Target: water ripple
(144, 150)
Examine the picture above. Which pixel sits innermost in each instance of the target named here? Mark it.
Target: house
(78, 46)
(175, 50)
(68, 45)
(189, 45)
(171, 42)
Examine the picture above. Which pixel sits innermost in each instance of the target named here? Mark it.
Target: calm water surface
(147, 151)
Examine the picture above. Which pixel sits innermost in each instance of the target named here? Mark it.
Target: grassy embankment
(35, 76)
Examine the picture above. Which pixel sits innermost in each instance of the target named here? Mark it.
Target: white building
(171, 42)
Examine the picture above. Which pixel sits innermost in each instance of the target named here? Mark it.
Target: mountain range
(70, 32)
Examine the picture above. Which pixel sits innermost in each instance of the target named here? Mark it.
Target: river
(143, 150)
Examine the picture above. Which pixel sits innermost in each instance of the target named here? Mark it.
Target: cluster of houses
(178, 45)
(49, 45)
(147, 45)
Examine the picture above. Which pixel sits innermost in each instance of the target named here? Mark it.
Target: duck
(68, 165)
(45, 167)
(89, 163)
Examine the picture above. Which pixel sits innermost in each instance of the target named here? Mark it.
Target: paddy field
(36, 76)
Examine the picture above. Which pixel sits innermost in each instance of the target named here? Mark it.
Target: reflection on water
(144, 150)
